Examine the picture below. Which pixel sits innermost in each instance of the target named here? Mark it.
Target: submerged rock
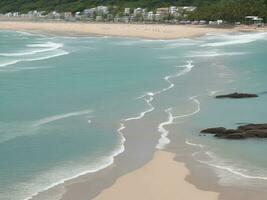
(242, 132)
(237, 96)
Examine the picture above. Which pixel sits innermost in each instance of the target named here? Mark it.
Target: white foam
(60, 53)
(197, 110)
(105, 162)
(213, 92)
(214, 54)
(181, 43)
(214, 162)
(164, 140)
(4, 64)
(17, 69)
(142, 114)
(24, 33)
(194, 144)
(187, 68)
(236, 39)
(49, 46)
(148, 97)
(54, 118)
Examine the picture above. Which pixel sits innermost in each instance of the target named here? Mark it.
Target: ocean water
(65, 101)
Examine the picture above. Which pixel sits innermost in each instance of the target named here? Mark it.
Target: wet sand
(161, 178)
(140, 147)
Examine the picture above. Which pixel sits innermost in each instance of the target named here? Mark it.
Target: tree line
(228, 10)
(231, 10)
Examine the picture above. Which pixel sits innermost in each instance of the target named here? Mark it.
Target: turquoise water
(64, 101)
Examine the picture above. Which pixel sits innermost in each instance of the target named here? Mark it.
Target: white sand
(125, 30)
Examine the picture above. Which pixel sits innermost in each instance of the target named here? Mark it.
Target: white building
(54, 15)
(89, 13)
(15, 14)
(138, 12)
(102, 10)
(150, 16)
(127, 11)
(173, 10)
(189, 8)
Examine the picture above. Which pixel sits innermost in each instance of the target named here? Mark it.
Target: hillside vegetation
(229, 10)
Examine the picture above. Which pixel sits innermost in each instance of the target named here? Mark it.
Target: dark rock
(234, 136)
(256, 133)
(242, 132)
(252, 127)
(237, 96)
(214, 130)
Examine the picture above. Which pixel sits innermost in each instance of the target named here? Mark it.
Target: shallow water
(65, 103)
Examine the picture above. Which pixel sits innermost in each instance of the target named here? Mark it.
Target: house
(202, 22)
(9, 14)
(127, 11)
(255, 20)
(54, 15)
(102, 10)
(150, 16)
(15, 14)
(99, 18)
(137, 12)
(219, 22)
(89, 13)
(189, 8)
(78, 15)
(173, 10)
(162, 11)
(125, 19)
(68, 16)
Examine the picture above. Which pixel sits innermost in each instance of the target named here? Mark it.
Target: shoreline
(73, 184)
(144, 31)
(161, 178)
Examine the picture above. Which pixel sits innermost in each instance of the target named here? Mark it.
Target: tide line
(164, 140)
(230, 169)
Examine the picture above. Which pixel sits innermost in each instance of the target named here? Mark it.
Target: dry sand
(161, 179)
(152, 31)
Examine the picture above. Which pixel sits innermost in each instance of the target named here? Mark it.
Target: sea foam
(49, 46)
(231, 167)
(236, 39)
(164, 140)
(54, 118)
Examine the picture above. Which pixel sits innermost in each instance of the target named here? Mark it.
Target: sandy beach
(140, 173)
(151, 31)
(161, 178)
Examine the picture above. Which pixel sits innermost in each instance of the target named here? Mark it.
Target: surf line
(224, 167)
(164, 140)
(149, 96)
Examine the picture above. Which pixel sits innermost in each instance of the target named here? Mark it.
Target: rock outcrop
(242, 132)
(237, 96)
